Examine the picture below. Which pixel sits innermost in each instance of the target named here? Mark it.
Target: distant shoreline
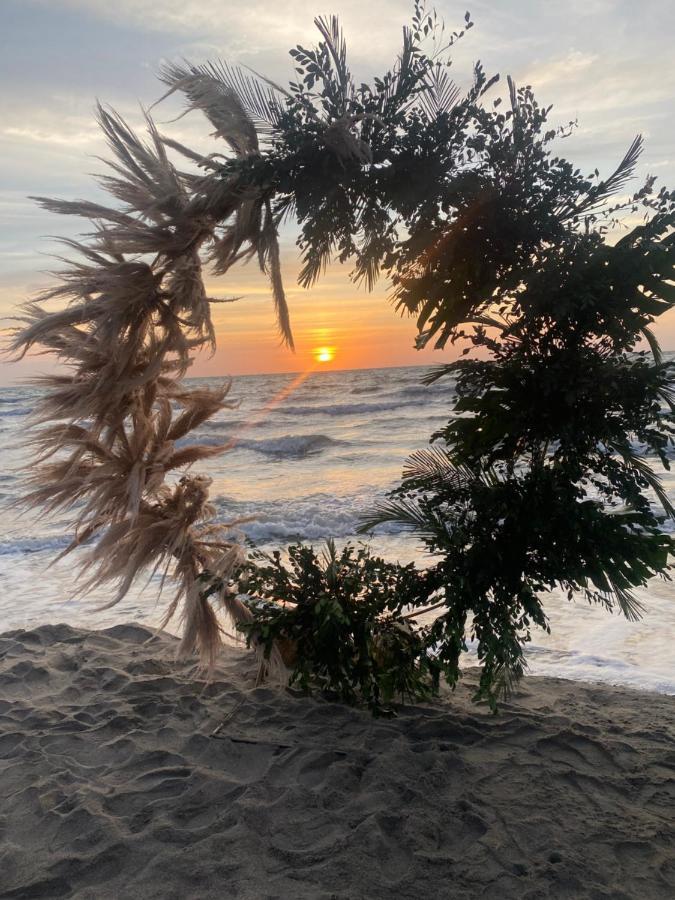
(25, 382)
(320, 371)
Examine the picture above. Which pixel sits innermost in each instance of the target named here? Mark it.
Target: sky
(606, 63)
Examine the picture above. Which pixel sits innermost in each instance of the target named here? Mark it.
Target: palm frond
(206, 162)
(440, 94)
(439, 372)
(198, 406)
(206, 90)
(86, 210)
(654, 345)
(634, 461)
(340, 86)
(598, 195)
(631, 608)
(432, 465)
(506, 678)
(407, 512)
(271, 264)
(258, 98)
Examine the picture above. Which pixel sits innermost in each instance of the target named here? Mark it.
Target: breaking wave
(33, 545)
(315, 517)
(291, 445)
(346, 409)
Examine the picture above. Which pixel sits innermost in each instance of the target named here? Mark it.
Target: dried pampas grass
(111, 435)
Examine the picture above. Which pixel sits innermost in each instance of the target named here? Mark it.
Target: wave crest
(290, 445)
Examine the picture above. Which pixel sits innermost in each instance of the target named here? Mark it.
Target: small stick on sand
(227, 718)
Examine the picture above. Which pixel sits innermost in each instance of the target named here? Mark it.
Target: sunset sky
(606, 62)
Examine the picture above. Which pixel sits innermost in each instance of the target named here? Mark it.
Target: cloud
(572, 66)
(250, 29)
(66, 137)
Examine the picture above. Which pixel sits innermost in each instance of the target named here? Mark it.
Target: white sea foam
(315, 517)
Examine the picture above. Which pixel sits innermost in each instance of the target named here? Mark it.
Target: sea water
(310, 455)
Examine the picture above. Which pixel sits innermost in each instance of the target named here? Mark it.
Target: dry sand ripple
(114, 786)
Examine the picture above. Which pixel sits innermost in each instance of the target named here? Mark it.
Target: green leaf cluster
(545, 474)
(338, 615)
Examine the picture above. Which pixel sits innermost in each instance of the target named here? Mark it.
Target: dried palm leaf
(206, 91)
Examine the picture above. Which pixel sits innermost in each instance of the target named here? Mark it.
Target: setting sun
(324, 354)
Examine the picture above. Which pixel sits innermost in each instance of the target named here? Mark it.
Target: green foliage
(338, 616)
(345, 156)
(544, 475)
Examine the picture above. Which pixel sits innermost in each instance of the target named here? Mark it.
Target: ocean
(310, 455)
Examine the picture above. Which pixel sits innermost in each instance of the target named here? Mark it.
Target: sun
(324, 354)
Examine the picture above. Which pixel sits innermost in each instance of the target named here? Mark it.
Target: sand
(113, 785)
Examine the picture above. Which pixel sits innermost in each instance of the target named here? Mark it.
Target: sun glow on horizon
(324, 354)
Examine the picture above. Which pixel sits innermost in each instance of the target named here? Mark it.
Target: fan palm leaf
(209, 92)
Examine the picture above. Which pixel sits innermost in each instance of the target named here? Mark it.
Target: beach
(358, 369)
(124, 775)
